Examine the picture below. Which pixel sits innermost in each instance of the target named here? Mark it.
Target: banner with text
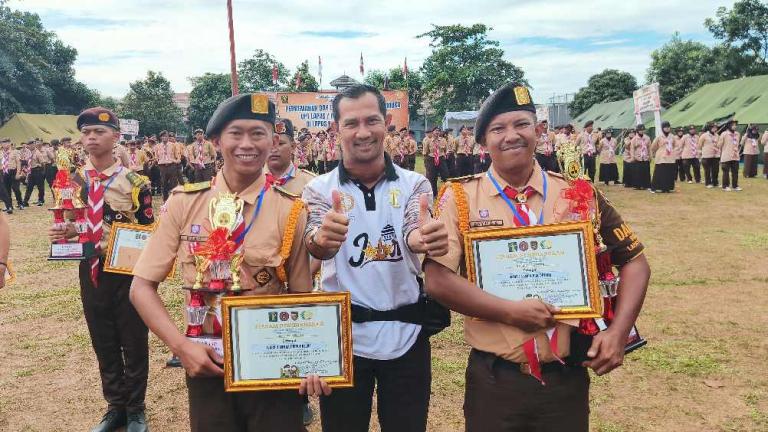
(646, 98)
(314, 111)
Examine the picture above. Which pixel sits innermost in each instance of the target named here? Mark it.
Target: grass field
(705, 318)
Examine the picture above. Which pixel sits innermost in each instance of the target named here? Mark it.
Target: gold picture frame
(125, 266)
(594, 304)
(272, 304)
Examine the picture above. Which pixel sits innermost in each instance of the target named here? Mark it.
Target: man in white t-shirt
(368, 221)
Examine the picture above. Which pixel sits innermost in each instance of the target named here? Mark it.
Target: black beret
(640, 127)
(510, 97)
(98, 116)
(163, 133)
(55, 141)
(665, 124)
(246, 106)
(589, 123)
(198, 130)
(285, 127)
(391, 128)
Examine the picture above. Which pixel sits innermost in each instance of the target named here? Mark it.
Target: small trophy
(217, 265)
(66, 193)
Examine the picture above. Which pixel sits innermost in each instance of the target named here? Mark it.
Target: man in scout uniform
(202, 155)
(120, 152)
(136, 158)
(318, 145)
(275, 262)
(10, 165)
(433, 148)
(281, 171)
(465, 143)
(450, 151)
(588, 144)
(36, 178)
(409, 147)
(729, 156)
(332, 150)
(545, 147)
(369, 220)
(119, 337)
(49, 161)
(501, 391)
(168, 159)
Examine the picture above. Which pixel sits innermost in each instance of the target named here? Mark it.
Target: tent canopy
(745, 99)
(24, 127)
(457, 119)
(611, 115)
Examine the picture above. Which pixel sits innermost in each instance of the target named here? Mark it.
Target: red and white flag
(405, 68)
(362, 66)
(320, 69)
(298, 80)
(274, 74)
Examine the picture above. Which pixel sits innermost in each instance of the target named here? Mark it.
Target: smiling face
(244, 146)
(511, 139)
(280, 155)
(362, 128)
(99, 140)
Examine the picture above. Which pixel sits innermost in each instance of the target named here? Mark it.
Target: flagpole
(232, 60)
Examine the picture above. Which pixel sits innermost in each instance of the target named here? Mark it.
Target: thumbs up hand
(432, 236)
(333, 230)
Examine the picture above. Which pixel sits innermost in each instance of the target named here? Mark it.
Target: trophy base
(211, 341)
(72, 251)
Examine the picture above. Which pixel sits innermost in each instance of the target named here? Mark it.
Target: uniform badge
(262, 277)
(484, 214)
(394, 194)
(534, 245)
(259, 104)
(522, 96)
(279, 127)
(273, 317)
(195, 229)
(104, 117)
(294, 315)
(347, 201)
(284, 316)
(523, 246)
(306, 315)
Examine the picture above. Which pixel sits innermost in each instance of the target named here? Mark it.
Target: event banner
(314, 111)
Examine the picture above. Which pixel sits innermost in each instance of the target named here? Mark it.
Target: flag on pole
(274, 74)
(298, 80)
(320, 69)
(386, 82)
(405, 68)
(362, 66)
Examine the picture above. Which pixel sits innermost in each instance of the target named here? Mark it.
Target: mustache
(509, 145)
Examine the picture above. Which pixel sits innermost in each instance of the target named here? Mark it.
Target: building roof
(343, 81)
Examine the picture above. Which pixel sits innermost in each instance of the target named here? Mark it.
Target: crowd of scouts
(677, 156)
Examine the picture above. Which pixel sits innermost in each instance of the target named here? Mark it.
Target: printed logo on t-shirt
(386, 249)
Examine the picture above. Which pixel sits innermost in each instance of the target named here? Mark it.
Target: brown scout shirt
(641, 148)
(708, 143)
(465, 144)
(300, 179)
(607, 149)
(428, 146)
(184, 221)
(545, 143)
(663, 149)
(487, 210)
(690, 146)
(729, 146)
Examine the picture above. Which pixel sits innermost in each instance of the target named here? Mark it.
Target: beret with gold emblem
(98, 116)
(510, 97)
(285, 127)
(247, 106)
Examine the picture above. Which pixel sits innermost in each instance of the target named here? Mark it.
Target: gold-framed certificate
(272, 342)
(555, 263)
(126, 241)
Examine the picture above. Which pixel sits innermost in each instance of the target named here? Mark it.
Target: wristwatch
(311, 236)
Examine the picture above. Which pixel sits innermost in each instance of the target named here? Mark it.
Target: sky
(558, 43)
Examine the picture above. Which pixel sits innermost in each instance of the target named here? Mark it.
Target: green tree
(395, 80)
(464, 67)
(36, 73)
(681, 67)
(743, 31)
(607, 86)
(208, 91)
(308, 83)
(95, 98)
(255, 73)
(150, 101)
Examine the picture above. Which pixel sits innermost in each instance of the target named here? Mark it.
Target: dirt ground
(704, 368)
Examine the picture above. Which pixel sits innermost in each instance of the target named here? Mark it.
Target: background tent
(745, 99)
(611, 115)
(23, 127)
(457, 119)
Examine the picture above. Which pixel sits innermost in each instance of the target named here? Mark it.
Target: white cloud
(182, 38)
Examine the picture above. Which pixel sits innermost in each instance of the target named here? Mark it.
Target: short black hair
(356, 92)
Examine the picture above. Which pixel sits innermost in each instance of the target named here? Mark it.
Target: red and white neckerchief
(753, 143)
(670, 145)
(643, 149)
(692, 144)
(436, 152)
(283, 179)
(133, 159)
(332, 145)
(6, 160)
(590, 149)
(735, 146)
(95, 215)
(482, 154)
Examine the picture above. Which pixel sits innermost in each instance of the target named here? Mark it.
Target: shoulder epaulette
(193, 187)
(308, 172)
(464, 179)
(137, 180)
(285, 192)
(556, 174)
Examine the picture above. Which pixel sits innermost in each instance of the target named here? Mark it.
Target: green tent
(745, 99)
(611, 115)
(24, 127)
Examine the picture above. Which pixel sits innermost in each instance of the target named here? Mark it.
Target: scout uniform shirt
(301, 155)
(9, 160)
(588, 143)
(293, 180)
(127, 196)
(729, 146)
(332, 149)
(640, 147)
(690, 147)
(49, 156)
(166, 153)
(627, 152)
(545, 144)
(466, 144)
(708, 142)
(201, 153)
(473, 203)
(36, 159)
(120, 153)
(663, 149)
(411, 146)
(136, 159)
(274, 251)
(607, 149)
(434, 147)
(750, 146)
